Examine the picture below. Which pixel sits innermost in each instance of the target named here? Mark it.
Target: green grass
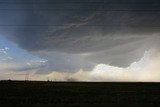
(55, 94)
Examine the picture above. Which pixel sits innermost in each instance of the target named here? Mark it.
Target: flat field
(73, 94)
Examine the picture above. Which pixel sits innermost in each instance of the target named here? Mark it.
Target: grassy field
(57, 94)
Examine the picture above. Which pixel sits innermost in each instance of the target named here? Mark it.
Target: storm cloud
(89, 31)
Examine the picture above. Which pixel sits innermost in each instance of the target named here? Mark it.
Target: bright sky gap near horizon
(80, 40)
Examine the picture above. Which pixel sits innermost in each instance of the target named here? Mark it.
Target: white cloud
(37, 62)
(4, 50)
(146, 69)
(4, 56)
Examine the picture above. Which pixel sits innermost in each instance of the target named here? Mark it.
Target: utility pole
(27, 77)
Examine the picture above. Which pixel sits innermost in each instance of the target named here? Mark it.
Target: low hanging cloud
(63, 62)
(146, 70)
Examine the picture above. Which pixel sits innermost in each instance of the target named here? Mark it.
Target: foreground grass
(55, 94)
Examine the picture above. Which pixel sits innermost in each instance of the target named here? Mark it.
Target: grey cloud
(83, 27)
(63, 62)
(123, 55)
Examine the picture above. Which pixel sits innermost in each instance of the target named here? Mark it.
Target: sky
(82, 40)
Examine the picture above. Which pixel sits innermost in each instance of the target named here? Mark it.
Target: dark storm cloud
(81, 26)
(126, 54)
